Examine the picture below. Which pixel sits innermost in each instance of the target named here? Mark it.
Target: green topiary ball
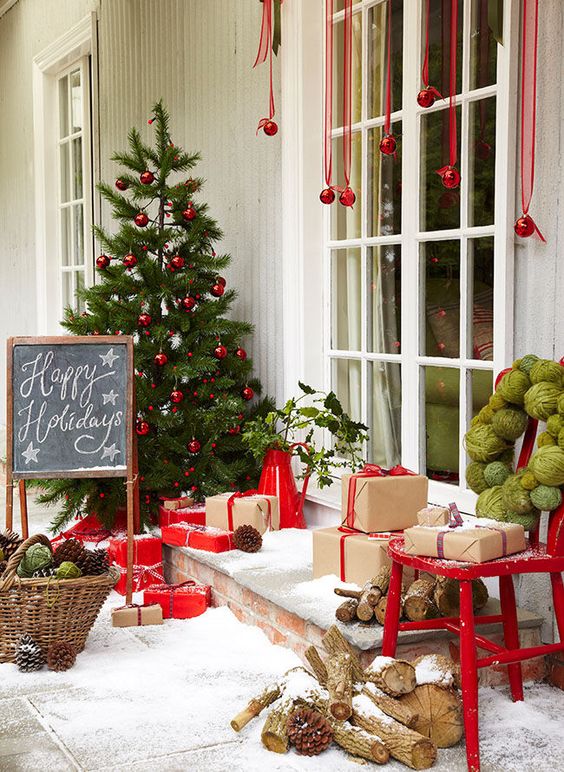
(546, 497)
(545, 439)
(37, 556)
(68, 570)
(547, 464)
(509, 423)
(483, 444)
(513, 386)
(546, 370)
(528, 521)
(541, 400)
(489, 504)
(527, 362)
(496, 473)
(515, 498)
(475, 477)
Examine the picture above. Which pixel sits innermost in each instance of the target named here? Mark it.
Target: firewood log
(404, 744)
(437, 669)
(364, 609)
(316, 664)
(255, 707)
(382, 580)
(346, 612)
(274, 735)
(390, 706)
(439, 711)
(419, 603)
(334, 642)
(359, 743)
(343, 592)
(339, 686)
(392, 676)
(447, 596)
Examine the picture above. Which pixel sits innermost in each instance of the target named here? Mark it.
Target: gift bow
(370, 470)
(141, 572)
(243, 495)
(171, 589)
(138, 606)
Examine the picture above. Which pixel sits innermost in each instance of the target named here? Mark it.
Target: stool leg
(511, 633)
(558, 600)
(391, 621)
(469, 673)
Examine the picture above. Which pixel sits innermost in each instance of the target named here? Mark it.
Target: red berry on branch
(142, 428)
(189, 213)
(144, 320)
(177, 262)
(524, 227)
(217, 290)
(347, 197)
(425, 98)
(388, 145)
(220, 352)
(241, 353)
(194, 446)
(161, 359)
(188, 303)
(327, 196)
(130, 261)
(141, 219)
(121, 184)
(247, 393)
(270, 128)
(102, 262)
(147, 178)
(234, 429)
(176, 396)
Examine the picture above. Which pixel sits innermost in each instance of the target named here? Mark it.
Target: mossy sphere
(541, 400)
(527, 362)
(546, 497)
(496, 401)
(515, 498)
(546, 370)
(513, 386)
(509, 423)
(483, 444)
(475, 477)
(528, 481)
(68, 570)
(508, 457)
(553, 425)
(561, 439)
(496, 473)
(560, 405)
(547, 464)
(528, 521)
(544, 439)
(489, 504)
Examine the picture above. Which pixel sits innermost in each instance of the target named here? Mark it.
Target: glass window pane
(378, 55)
(481, 388)
(66, 250)
(384, 184)
(481, 285)
(440, 207)
(384, 407)
(383, 265)
(78, 235)
(483, 47)
(64, 172)
(440, 264)
(442, 411)
(76, 100)
(346, 298)
(439, 44)
(346, 383)
(346, 220)
(356, 71)
(63, 107)
(481, 178)
(339, 5)
(67, 288)
(78, 303)
(77, 168)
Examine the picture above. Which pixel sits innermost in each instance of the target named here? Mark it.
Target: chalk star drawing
(111, 397)
(30, 453)
(109, 358)
(110, 452)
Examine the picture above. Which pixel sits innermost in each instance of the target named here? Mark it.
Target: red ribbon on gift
(141, 572)
(370, 470)
(441, 539)
(138, 606)
(171, 589)
(345, 533)
(239, 495)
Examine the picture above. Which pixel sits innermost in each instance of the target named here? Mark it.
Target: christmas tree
(159, 280)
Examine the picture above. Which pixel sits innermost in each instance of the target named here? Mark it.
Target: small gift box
(175, 502)
(194, 514)
(198, 537)
(350, 555)
(179, 601)
(147, 560)
(433, 516)
(378, 500)
(137, 615)
(228, 511)
(471, 542)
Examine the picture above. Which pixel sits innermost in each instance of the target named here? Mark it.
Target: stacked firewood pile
(425, 598)
(394, 708)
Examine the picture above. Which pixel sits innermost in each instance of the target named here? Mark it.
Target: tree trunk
(255, 707)
(359, 743)
(392, 676)
(346, 612)
(439, 713)
(391, 706)
(317, 665)
(334, 642)
(274, 735)
(447, 596)
(418, 603)
(339, 686)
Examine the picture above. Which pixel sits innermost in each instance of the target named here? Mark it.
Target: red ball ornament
(524, 227)
(217, 290)
(247, 393)
(241, 353)
(194, 446)
(141, 219)
(450, 177)
(270, 128)
(144, 320)
(130, 261)
(147, 178)
(160, 359)
(347, 197)
(142, 428)
(221, 280)
(176, 396)
(102, 262)
(483, 150)
(177, 262)
(327, 196)
(188, 303)
(121, 184)
(234, 430)
(388, 145)
(425, 98)
(220, 352)
(189, 213)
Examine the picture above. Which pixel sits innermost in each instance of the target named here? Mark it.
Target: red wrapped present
(199, 537)
(179, 601)
(90, 530)
(147, 560)
(195, 515)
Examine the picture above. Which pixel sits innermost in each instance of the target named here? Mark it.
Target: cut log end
(380, 753)
(341, 710)
(439, 714)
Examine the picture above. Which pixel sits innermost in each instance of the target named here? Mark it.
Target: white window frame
(68, 52)
(306, 222)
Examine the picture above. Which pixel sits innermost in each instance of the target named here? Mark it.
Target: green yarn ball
(475, 477)
(496, 473)
(483, 444)
(561, 439)
(541, 400)
(515, 498)
(546, 498)
(528, 481)
(489, 504)
(509, 423)
(513, 386)
(527, 362)
(560, 404)
(553, 425)
(545, 439)
(496, 401)
(486, 415)
(546, 370)
(37, 556)
(68, 570)
(528, 521)
(508, 458)
(547, 464)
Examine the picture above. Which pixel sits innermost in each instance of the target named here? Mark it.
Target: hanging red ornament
(188, 303)
(220, 352)
(427, 96)
(247, 393)
(450, 177)
(142, 428)
(194, 446)
(102, 262)
(130, 261)
(524, 226)
(160, 359)
(144, 320)
(270, 128)
(388, 144)
(266, 45)
(327, 196)
(221, 280)
(483, 150)
(241, 353)
(121, 185)
(176, 396)
(234, 430)
(141, 219)
(147, 178)
(217, 290)
(347, 197)
(189, 213)
(176, 262)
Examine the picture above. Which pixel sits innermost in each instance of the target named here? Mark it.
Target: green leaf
(309, 412)
(305, 388)
(332, 403)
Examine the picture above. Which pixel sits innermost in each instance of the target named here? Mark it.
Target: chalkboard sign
(70, 406)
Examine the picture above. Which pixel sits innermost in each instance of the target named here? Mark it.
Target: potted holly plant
(290, 431)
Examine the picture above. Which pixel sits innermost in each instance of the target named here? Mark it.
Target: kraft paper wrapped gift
(433, 516)
(137, 615)
(383, 503)
(257, 510)
(169, 502)
(472, 542)
(353, 557)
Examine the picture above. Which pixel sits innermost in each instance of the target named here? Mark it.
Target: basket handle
(9, 575)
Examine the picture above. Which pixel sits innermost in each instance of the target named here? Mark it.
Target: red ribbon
(264, 50)
(425, 69)
(345, 533)
(442, 534)
(171, 589)
(388, 103)
(453, 143)
(328, 117)
(529, 105)
(347, 92)
(238, 495)
(139, 607)
(141, 572)
(370, 470)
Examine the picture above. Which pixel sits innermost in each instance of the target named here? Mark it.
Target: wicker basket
(48, 609)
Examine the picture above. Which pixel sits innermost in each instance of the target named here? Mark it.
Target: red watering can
(277, 479)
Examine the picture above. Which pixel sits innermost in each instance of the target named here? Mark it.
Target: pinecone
(247, 539)
(9, 542)
(60, 656)
(28, 655)
(309, 732)
(68, 551)
(93, 562)
(3, 565)
(44, 573)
